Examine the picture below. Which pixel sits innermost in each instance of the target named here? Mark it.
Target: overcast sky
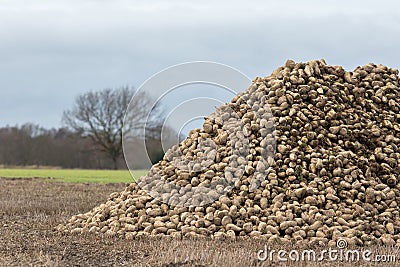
(51, 51)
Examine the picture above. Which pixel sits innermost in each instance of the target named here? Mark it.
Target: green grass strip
(75, 175)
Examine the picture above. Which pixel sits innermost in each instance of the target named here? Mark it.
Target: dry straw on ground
(334, 175)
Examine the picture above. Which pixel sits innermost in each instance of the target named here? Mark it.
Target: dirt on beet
(30, 209)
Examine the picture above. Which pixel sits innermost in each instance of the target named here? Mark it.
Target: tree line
(91, 136)
(31, 144)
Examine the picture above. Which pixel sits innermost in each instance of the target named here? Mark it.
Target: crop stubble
(31, 208)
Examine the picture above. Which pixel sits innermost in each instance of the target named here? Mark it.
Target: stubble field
(30, 209)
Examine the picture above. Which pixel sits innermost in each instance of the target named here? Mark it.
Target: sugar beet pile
(335, 173)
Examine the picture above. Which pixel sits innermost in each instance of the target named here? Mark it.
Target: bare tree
(100, 116)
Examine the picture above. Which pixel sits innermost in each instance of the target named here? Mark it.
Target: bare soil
(30, 209)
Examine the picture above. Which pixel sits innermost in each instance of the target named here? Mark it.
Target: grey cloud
(53, 50)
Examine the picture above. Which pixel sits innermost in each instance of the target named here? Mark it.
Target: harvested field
(30, 209)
